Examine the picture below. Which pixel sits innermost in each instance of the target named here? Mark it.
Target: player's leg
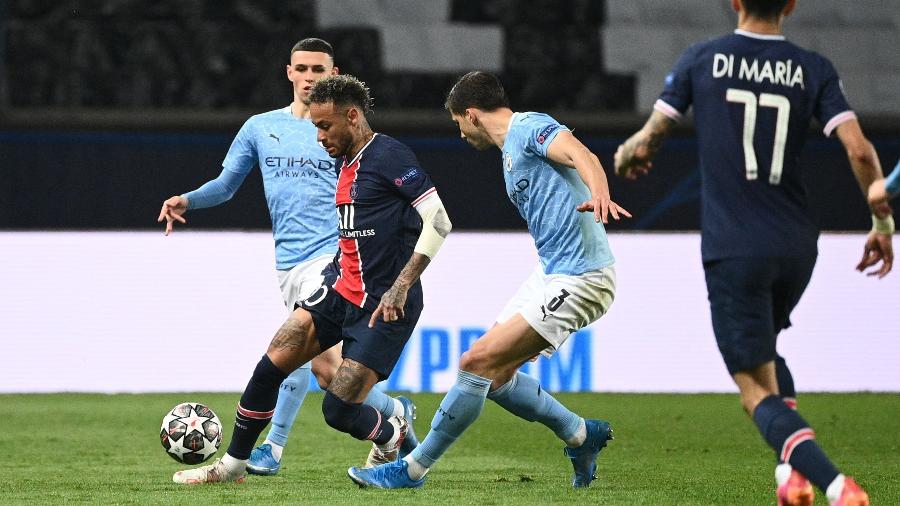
(553, 308)
(296, 284)
(294, 344)
(370, 355)
(510, 343)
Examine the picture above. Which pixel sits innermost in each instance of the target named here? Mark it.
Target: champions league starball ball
(191, 433)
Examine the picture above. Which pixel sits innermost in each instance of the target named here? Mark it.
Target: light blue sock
(460, 407)
(381, 401)
(524, 397)
(290, 398)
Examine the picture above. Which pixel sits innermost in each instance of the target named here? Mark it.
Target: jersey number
(780, 102)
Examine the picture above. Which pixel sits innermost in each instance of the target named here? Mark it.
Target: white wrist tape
(435, 225)
(883, 225)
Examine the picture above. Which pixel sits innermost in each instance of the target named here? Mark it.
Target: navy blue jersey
(753, 98)
(378, 226)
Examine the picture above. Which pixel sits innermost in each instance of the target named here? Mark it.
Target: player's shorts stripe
(667, 109)
(804, 434)
(259, 415)
(377, 426)
(791, 402)
(836, 120)
(423, 196)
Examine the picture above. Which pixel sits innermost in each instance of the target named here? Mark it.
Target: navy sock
(359, 420)
(256, 407)
(794, 441)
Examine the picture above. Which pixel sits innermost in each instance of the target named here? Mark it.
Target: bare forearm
(641, 148)
(411, 271)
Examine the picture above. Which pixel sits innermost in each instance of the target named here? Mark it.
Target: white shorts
(557, 305)
(301, 280)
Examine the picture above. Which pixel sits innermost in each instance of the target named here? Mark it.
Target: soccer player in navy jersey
(300, 179)
(754, 94)
(561, 191)
(885, 189)
(391, 223)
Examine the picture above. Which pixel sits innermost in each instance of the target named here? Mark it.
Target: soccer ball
(191, 433)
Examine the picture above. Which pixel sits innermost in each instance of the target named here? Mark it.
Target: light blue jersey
(546, 194)
(299, 180)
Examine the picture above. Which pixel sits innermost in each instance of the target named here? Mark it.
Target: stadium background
(108, 107)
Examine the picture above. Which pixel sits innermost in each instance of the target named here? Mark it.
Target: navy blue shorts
(751, 300)
(336, 319)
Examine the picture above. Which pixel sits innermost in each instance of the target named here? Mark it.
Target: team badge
(507, 162)
(354, 191)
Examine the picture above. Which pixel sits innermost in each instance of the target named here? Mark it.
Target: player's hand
(173, 210)
(602, 207)
(391, 306)
(879, 248)
(632, 159)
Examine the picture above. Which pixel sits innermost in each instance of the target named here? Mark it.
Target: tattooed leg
(353, 381)
(295, 342)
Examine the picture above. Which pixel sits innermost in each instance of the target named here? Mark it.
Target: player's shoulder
(385, 145)
(270, 116)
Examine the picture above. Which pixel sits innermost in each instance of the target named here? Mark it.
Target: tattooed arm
(391, 306)
(635, 157)
(435, 228)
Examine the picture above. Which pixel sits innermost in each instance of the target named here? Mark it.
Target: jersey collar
(759, 36)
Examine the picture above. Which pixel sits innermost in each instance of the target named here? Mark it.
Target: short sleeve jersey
(546, 194)
(753, 97)
(299, 179)
(376, 196)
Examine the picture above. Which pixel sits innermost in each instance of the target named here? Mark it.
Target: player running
(300, 180)
(754, 94)
(561, 191)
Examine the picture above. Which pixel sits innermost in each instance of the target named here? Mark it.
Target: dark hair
(342, 89)
(764, 9)
(476, 89)
(315, 45)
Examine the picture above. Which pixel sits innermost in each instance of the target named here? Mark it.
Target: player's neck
(760, 26)
(359, 141)
(299, 109)
(496, 124)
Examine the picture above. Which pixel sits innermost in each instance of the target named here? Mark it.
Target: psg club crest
(354, 191)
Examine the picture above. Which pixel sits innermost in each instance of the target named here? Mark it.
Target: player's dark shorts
(378, 348)
(751, 300)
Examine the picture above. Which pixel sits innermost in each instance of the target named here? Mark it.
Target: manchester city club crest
(507, 162)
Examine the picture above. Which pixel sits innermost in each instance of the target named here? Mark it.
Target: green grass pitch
(669, 449)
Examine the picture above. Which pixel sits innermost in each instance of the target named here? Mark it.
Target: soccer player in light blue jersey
(885, 189)
(561, 191)
(299, 178)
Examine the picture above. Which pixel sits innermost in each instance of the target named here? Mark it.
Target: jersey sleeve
(238, 162)
(242, 154)
(832, 108)
(407, 177)
(540, 130)
(892, 184)
(675, 99)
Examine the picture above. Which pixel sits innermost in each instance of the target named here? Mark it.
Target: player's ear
(352, 115)
(736, 5)
(335, 71)
(471, 116)
(789, 8)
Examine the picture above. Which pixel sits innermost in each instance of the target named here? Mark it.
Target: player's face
(471, 133)
(333, 126)
(306, 68)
